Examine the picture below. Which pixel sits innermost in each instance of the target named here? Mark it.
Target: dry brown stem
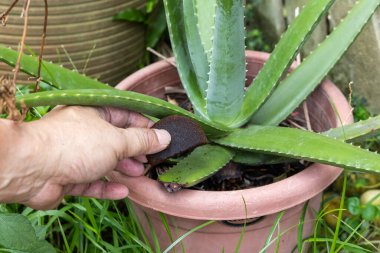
(12, 110)
(307, 116)
(4, 16)
(43, 39)
(7, 99)
(22, 43)
(161, 56)
(293, 123)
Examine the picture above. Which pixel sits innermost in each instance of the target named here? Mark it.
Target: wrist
(18, 165)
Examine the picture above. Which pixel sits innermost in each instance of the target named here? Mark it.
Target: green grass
(88, 225)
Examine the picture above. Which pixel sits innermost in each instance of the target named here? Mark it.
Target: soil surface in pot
(235, 176)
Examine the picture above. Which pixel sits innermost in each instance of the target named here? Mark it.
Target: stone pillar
(361, 63)
(317, 35)
(270, 19)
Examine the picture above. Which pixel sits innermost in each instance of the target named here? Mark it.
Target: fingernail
(163, 136)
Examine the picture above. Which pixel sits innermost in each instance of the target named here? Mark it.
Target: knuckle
(145, 140)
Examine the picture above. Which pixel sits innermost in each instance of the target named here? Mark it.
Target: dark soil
(239, 176)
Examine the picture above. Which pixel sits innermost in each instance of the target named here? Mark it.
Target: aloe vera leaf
(282, 57)
(175, 20)
(300, 144)
(51, 74)
(227, 68)
(355, 131)
(197, 166)
(117, 98)
(197, 53)
(254, 158)
(302, 81)
(349, 133)
(205, 10)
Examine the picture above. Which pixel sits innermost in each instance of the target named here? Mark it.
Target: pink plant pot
(259, 206)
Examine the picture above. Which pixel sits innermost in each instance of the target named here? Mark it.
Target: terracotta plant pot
(187, 209)
(81, 26)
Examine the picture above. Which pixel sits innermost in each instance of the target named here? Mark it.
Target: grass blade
(237, 249)
(350, 247)
(340, 213)
(153, 233)
(167, 228)
(300, 227)
(271, 232)
(187, 234)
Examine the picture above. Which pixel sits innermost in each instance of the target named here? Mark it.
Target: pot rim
(239, 204)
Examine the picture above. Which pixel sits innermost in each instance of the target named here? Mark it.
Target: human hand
(68, 151)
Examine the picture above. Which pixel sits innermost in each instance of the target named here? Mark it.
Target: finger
(141, 158)
(141, 141)
(123, 118)
(49, 197)
(130, 167)
(99, 189)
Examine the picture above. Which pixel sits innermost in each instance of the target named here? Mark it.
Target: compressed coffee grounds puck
(185, 133)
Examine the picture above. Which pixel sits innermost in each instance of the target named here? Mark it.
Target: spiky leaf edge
(303, 80)
(117, 98)
(354, 132)
(300, 144)
(282, 57)
(200, 164)
(175, 21)
(226, 83)
(52, 74)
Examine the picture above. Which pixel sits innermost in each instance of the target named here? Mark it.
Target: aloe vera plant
(210, 58)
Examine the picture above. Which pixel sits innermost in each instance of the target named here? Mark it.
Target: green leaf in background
(150, 4)
(153, 17)
(132, 15)
(353, 205)
(156, 26)
(202, 163)
(18, 235)
(370, 212)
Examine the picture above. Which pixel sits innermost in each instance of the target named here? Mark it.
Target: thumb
(142, 141)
